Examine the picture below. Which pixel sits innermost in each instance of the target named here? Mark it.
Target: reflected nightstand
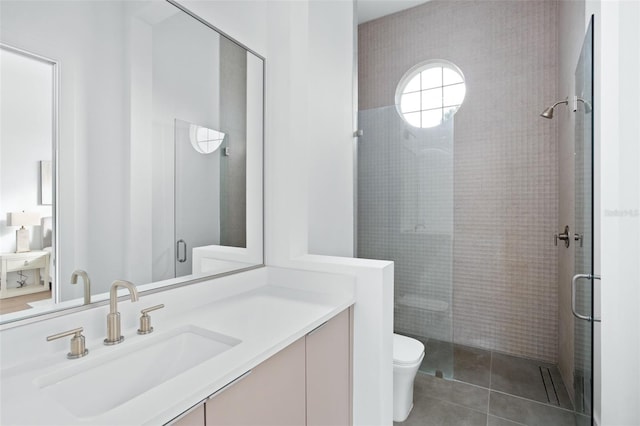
(13, 262)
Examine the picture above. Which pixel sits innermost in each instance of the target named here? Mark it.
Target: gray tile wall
(505, 171)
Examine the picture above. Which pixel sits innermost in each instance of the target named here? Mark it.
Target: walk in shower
(467, 205)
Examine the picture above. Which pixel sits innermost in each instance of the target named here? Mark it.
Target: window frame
(416, 71)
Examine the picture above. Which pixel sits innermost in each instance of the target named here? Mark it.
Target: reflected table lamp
(23, 219)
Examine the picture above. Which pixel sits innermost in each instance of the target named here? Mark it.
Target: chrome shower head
(548, 112)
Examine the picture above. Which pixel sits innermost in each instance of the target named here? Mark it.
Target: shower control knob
(563, 236)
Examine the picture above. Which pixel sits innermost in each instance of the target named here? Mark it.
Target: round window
(430, 93)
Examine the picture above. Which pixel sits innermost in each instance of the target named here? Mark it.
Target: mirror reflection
(27, 97)
(131, 149)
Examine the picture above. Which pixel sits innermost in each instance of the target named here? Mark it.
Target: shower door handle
(574, 282)
(183, 258)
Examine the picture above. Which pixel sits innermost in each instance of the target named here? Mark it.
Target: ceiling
(369, 10)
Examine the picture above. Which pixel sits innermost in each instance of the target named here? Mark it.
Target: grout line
(504, 418)
(453, 380)
(446, 401)
(534, 401)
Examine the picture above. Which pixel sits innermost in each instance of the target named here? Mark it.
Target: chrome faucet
(87, 283)
(113, 319)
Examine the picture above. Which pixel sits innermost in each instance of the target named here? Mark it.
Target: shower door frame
(584, 404)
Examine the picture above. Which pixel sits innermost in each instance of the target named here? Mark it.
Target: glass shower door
(582, 284)
(197, 191)
(405, 214)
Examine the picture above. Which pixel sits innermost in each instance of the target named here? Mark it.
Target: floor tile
(463, 363)
(464, 394)
(472, 365)
(497, 421)
(485, 388)
(582, 420)
(530, 413)
(429, 411)
(522, 377)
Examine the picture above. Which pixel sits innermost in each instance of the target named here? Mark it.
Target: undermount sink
(106, 382)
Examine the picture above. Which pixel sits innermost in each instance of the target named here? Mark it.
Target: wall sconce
(23, 219)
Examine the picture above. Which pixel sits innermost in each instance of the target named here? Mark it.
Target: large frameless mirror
(131, 148)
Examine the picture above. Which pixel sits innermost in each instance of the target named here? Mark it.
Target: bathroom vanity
(158, 180)
(308, 382)
(269, 346)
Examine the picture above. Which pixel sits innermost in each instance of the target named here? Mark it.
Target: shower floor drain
(549, 386)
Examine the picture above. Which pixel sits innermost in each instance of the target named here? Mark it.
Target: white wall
(617, 130)
(294, 187)
(139, 56)
(26, 138)
(298, 171)
(329, 135)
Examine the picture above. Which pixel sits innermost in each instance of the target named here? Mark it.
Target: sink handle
(145, 319)
(77, 349)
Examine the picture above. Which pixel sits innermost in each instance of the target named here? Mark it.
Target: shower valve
(563, 236)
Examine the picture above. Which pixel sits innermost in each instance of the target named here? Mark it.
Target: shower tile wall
(505, 170)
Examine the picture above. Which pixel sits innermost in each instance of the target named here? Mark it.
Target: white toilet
(407, 356)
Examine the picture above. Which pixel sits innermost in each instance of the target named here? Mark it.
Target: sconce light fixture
(23, 219)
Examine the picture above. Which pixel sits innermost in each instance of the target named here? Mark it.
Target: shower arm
(566, 101)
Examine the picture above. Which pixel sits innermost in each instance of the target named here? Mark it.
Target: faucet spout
(113, 294)
(113, 319)
(87, 283)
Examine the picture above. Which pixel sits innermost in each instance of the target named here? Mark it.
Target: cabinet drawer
(19, 264)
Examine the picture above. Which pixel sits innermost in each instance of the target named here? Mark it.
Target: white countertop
(265, 317)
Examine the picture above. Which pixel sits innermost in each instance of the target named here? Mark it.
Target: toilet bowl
(407, 356)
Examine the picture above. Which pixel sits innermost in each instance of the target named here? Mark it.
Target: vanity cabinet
(272, 394)
(328, 360)
(307, 383)
(195, 417)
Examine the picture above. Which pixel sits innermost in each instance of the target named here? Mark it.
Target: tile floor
(487, 388)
